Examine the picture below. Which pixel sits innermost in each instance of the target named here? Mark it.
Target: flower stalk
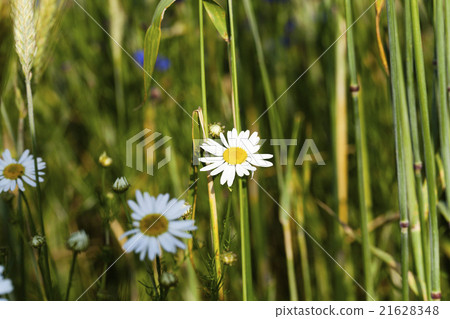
(361, 151)
(71, 272)
(428, 146)
(247, 281)
(214, 220)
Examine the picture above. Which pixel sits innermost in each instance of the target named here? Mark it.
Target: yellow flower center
(154, 225)
(234, 155)
(14, 171)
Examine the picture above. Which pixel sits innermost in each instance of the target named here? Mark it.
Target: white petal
(7, 156)
(149, 202)
(167, 243)
(224, 141)
(180, 233)
(210, 167)
(210, 159)
(140, 200)
(228, 175)
(24, 156)
(135, 208)
(161, 203)
(241, 171)
(153, 248)
(183, 225)
(129, 232)
(219, 169)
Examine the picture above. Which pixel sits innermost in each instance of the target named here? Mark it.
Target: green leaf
(218, 17)
(151, 42)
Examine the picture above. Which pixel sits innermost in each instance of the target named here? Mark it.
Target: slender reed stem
(71, 272)
(274, 120)
(285, 220)
(418, 226)
(21, 219)
(233, 63)
(403, 144)
(43, 258)
(428, 148)
(360, 151)
(300, 217)
(202, 62)
(215, 233)
(247, 287)
(447, 48)
(444, 126)
(214, 220)
(444, 130)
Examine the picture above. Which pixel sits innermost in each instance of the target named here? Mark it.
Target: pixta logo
(141, 151)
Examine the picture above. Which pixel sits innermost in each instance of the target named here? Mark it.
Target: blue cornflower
(139, 57)
(162, 63)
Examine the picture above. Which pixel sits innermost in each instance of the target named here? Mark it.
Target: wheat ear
(22, 12)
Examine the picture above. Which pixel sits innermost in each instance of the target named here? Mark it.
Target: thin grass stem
(361, 149)
(428, 149)
(247, 280)
(71, 272)
(214, 220)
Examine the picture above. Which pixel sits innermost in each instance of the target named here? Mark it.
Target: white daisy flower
(14, 172)
(6, 286)
(238, 155)
(156, 225)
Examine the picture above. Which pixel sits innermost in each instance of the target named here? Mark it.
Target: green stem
(418, 224)
(202, 62)
(72, 269)
(428, 148)
(361, 149)
(274, 120)
(44, 250)
(284, 219)
(407, 194)
(447, 48)
(233, 63)
(124, 204)
(247, 287)
(214, 220)
(444, 129)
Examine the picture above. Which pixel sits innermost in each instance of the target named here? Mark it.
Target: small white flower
(121, 185)
(78, 241)
(238, 155)
(6, 286)
(156, 225)
(14, 173)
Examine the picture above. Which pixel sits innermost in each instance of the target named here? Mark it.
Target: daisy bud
(168, 279)
(105, 160)
(38, 241)
(120, 185)
(229, 258)
(78, 241)
(215, 129)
